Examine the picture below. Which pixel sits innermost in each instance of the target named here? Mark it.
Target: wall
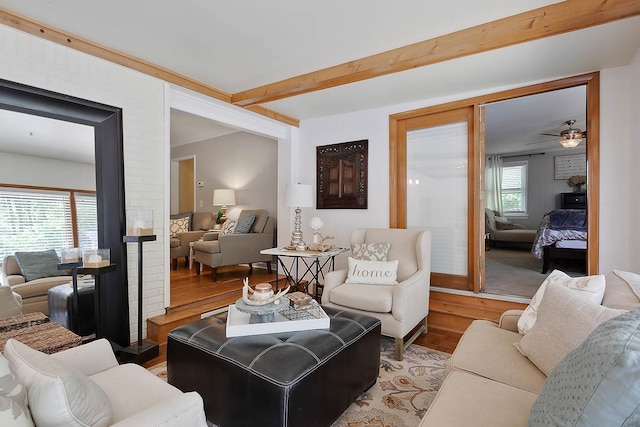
(543, 191)
(37, 62)
(616, 114)
(242, 161)
(43, 172)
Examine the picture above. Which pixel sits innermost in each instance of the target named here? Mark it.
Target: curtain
(493, 187)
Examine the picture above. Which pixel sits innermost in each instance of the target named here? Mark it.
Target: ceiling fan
(569, 138)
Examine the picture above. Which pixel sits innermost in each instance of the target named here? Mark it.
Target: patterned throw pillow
(597, 383)
(228, 227)
(179, 225)
(370, 251)
(372, 272)
(13, 399)
(590, 287)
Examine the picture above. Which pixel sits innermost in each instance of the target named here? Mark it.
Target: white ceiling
(235, 46)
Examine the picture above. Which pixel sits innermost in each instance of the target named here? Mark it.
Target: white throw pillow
(372, 272)
(228, 227)
(14, 409)
(565, 319)
(59, 395)
(589, 287)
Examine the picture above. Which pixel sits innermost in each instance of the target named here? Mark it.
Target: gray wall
(543, 190)
(43, 172)
(242, 161)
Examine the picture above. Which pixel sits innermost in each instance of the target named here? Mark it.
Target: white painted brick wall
(36, 62)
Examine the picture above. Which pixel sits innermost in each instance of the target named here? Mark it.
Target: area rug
(401, 396)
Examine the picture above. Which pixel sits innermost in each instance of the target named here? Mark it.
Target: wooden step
(454, 313)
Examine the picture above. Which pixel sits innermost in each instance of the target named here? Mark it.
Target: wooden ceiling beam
(55, 35)
(559, 18)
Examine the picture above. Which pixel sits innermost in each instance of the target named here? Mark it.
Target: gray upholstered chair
(218, 250)
(201, 222)
(401, 307)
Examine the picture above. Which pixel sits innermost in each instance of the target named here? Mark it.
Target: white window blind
(35, 220)
(514, 187)
(86, 219)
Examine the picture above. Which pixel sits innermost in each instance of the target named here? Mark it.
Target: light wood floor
(193, 294)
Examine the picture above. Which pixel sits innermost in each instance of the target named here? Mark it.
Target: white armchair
(400, 307)
(86, 386)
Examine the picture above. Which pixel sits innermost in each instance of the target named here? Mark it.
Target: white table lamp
(224, 197)
(298, 196)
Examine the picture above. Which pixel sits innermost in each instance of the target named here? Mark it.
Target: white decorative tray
(287, 320)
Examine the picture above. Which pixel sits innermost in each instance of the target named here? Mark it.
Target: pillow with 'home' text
(372, 272)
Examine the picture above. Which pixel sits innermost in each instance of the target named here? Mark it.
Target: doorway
(183, 185)
(400, 125)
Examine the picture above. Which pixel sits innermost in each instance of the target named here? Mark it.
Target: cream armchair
(85, 386)
(409, 299)
(218, 250)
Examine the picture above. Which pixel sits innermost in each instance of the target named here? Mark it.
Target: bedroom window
(514, 188)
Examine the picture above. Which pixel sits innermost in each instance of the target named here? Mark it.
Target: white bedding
(571, 244)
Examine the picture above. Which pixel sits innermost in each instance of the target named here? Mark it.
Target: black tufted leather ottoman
(304, 378)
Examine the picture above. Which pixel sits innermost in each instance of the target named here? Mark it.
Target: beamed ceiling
(293, 60)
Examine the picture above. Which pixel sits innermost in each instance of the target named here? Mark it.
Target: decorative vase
(578, 188)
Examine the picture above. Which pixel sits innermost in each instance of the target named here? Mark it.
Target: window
(514, 188)
(39, 219)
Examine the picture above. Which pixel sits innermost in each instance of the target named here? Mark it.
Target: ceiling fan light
(570, 142)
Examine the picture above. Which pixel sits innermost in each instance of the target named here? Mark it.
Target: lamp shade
(299, 196)
(224, 197)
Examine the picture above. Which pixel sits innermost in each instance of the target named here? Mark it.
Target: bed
(562, 235)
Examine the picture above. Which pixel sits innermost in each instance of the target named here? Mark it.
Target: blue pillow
(598, 383)
(36, 265)
(244, 222)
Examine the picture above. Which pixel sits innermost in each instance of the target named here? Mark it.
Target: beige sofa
(501, 230)
(201, 222)
(488, 382)
(85, 386)
(33, 292)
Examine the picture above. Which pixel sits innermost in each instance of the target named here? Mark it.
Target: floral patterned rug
(401, 396)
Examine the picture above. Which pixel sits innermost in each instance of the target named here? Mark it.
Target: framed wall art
(342, 175)
(567, 166)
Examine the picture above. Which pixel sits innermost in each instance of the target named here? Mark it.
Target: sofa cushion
(59, 395)
(378, 299)
(178, 225)
(565, 319)
(244, 222)
(488, 351)
(14, 409)
(590, 287)
(597, 383)
(39, 287)
(372, 272)
(470, 400)
(623, 290)
(201, 221)
(370, 251)
(143, 390)
(208, 246)
(36, 265)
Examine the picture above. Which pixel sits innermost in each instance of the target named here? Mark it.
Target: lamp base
(140, 353)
